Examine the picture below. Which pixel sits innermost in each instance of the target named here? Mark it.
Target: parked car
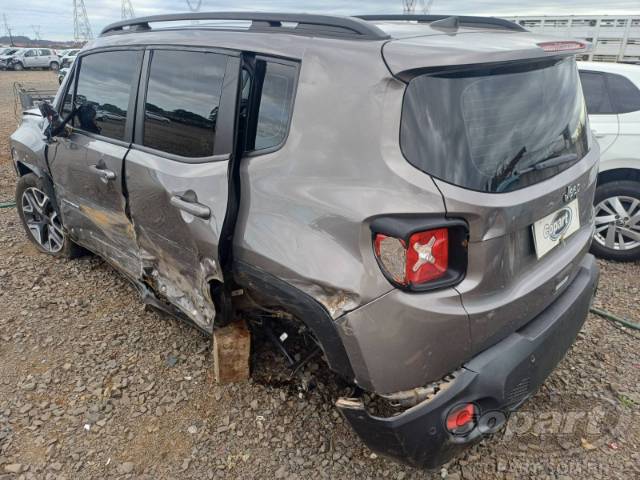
(68, 58)
(6, 56)
(61, 74)
(425, 217)
(612, 92)
(32, 58)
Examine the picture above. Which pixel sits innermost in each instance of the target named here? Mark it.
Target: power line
(81, 27)
(127, 9)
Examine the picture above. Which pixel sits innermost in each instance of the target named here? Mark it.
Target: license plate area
(550, 231)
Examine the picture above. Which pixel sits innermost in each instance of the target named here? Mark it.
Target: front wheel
(18, 67)
(617, 212)
(54, 66)
(41, 220)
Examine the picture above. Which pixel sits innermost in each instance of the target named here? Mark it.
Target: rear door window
(182, 102)
(105, 84)
(625, 96)
(276, 100)
(595, 93)
(496, 129)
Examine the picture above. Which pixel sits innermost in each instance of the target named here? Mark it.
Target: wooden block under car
(231, 349)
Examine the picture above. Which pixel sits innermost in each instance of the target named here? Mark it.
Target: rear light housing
(418, 254)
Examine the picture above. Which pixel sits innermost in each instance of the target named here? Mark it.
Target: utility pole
(7, 28)
(127, 9)
(81, 27)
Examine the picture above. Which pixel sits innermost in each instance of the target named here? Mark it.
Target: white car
(612, 93)
(67, 59)
(32, 58)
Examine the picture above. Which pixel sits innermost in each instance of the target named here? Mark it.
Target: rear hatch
(501, 126)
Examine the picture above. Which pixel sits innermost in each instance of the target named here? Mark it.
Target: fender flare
(305, 308)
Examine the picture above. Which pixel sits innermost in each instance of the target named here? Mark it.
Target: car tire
(40, 219)
(18, 67)
(55, 66)
(617, 212)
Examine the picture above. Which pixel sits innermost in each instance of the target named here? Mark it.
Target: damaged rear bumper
(497, 382)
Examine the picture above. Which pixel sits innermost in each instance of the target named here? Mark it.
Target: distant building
(614, 38)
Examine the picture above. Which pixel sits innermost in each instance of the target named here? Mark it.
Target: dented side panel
(178, 250)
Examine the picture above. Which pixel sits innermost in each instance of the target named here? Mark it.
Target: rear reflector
(462, 420)
(561, 46)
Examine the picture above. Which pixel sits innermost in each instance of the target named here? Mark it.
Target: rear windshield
(496, 129)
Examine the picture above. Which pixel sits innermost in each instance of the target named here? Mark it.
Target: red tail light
(423, 259)
(420, 254)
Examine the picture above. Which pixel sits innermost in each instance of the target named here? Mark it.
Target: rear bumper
(497, 381)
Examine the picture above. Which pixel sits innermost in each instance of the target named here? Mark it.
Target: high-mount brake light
(424, 258)
(561, 46)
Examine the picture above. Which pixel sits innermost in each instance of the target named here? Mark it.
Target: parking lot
(93, 385)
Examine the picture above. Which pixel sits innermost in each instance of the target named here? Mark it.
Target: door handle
(194, 208)
(104, 174)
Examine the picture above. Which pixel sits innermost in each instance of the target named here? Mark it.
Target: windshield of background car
(496, 129)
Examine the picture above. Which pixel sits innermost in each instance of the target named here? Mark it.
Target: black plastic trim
(307, 24)
(304, 307)
(402, 226)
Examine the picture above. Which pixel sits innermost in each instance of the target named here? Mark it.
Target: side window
(625, 96)
(44, 53)
(30, 53)
(275, 105)
(183, 97)
(104, 87)
(595, 93)
(67, 103)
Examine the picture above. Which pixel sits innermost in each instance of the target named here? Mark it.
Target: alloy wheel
(42, 220)
(618, 223)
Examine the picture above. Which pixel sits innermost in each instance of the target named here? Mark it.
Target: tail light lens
(461, 420)
(561, 46)
(420, 259)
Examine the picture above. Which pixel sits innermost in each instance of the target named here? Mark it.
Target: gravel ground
(93, 386)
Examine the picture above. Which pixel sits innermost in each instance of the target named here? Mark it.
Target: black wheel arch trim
(308, 310)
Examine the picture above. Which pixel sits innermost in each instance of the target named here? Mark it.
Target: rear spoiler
(413, 56)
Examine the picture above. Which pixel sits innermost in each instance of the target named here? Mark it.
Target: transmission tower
(7, 28)
(194, 6)
(127, 9)
(81, 27)
(36, 32)
(409, 6)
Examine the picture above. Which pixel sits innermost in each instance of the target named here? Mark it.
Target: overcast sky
(55, 18)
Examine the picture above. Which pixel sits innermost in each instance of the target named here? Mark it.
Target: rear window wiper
(548, 163)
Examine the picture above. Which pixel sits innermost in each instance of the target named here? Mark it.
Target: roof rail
(305, 24)
(478, 22)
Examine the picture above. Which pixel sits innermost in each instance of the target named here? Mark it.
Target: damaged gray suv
(415, 191)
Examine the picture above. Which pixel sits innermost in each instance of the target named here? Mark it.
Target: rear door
(603, 118)
(30, 58)
(176, 172)
(87, 164)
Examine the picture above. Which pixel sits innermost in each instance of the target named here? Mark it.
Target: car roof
(626, 69)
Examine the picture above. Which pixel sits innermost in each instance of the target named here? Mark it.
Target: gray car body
(307, 206)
